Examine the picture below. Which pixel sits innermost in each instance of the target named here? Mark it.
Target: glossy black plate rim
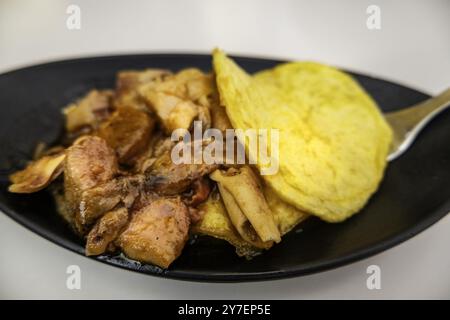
(304, 269)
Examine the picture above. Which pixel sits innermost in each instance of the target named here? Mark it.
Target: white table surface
(412, 47)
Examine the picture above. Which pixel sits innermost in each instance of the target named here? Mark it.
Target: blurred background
(411, 47)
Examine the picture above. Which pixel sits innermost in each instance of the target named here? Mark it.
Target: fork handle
(407, 123)
(412, 116)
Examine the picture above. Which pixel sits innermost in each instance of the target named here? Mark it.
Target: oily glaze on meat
(89, 162)
(96, 201)
(157, 233)
(105, 231)
(168, 178)
(127, 131)
(114, 180)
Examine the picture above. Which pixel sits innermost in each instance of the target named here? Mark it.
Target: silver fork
(407, 123)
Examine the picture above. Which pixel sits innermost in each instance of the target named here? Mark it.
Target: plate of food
(218, 168)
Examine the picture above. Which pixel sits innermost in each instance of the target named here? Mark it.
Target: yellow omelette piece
(285, 215)
(333, 140)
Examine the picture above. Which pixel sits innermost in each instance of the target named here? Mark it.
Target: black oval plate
(415, 192)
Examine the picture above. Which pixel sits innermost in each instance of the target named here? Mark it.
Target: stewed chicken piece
(128, 132)
(95, 202)
(105, 231)
(89, 162)
(168, 178)
(157, 233)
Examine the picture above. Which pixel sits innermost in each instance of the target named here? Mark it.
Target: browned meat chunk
(168, 178)
(158, 144)
(89, 162)
(157, 233)
(128, 132)
(94, 202)
(105, 231)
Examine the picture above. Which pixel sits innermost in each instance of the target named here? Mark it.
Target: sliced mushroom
(130, 80)
(188, 74)
(38, 174)
(246, 205)
(89, 111)
(179, 99)
(128, 83)
(167, 178)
